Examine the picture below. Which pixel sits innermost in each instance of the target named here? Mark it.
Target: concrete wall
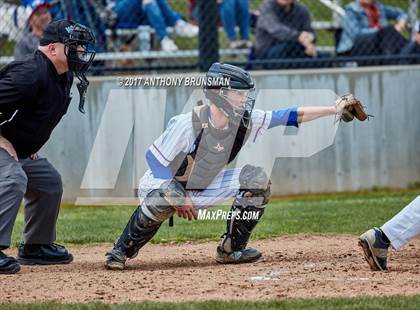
(383, 152)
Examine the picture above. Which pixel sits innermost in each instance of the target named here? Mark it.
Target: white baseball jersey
(179, 137)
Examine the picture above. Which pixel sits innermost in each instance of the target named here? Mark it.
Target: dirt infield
(293, 266)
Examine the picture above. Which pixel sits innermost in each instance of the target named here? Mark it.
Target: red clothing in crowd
(373, 13)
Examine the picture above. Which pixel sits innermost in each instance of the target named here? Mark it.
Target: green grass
(318, 213)
(6, 47)
(391, 303)
(350, 213)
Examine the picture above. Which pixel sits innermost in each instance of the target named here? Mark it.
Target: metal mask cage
(246, 103)
(80, 50)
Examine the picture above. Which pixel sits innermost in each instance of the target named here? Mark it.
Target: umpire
(34, 96)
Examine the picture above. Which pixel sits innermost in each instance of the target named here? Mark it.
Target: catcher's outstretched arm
(346, 108)
(306, 114)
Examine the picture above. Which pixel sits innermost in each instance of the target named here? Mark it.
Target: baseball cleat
(115, 260)
(248, 255)
(374, 249)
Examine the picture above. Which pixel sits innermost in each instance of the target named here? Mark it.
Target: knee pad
(156, 207)
(173, 192)
(255, 186)
(160, 204)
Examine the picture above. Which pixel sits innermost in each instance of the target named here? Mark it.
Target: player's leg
(155, 18)
(244, 18)
(171, 16)
(396, 232)
(42, 204)
(404, 226)
(129, 13)
(250, 187)
(228, 17)
(13, 182)
(247, 210)
(157, 207)
(224, 186)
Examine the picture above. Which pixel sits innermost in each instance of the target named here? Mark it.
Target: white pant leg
(224, 186)
(404, 226)
(148, 183)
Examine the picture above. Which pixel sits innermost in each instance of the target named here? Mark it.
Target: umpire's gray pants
(40, 184)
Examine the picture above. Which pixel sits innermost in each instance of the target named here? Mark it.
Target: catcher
(187, 165)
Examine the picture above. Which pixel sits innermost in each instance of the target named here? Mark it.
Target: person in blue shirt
(156, 13)
(367, 29)
(412, 48)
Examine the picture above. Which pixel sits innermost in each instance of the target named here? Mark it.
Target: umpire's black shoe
(43, 254)
(8, 265)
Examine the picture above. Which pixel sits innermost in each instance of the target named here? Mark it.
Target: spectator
(366, 29)
(284, 30)
(192, 8)
(232, 13)
(158, 14)
(37, 22)
(84, 12)
(413, 47)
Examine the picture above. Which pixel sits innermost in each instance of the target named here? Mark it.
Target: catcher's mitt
(347, 107)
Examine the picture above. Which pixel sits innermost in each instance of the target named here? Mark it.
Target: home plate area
(296, 266)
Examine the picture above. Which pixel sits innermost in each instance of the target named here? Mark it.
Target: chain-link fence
(169, 35)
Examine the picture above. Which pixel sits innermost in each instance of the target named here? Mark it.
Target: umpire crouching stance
(34, 96)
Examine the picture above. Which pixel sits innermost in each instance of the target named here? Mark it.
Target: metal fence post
(336, 16)
(413, 14)
(208, 40)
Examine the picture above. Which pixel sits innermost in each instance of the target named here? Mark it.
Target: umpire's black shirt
(34, 88)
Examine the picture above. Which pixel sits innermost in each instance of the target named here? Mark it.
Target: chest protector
(213, 150)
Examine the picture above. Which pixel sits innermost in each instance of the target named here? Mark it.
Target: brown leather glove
(348, 107)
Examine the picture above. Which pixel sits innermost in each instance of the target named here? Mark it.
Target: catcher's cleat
(375, 249)
(248, 255)
(115, 260)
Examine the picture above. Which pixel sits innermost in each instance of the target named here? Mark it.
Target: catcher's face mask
(241, 102)
(79, 50)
